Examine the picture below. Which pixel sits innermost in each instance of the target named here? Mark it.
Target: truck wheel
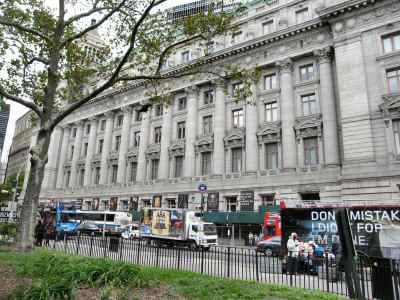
(206, 248)
(193, 245)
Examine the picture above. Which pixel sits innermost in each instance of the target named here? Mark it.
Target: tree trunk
(25, 238)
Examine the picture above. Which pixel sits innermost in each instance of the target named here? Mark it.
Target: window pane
(396, 133)
(396, 42)
(236, 160)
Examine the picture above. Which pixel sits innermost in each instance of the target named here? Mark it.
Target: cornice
(344, 7)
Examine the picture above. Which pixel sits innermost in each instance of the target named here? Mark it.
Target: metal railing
(319, 273)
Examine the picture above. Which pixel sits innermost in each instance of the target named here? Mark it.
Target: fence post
(157, 255)
(257, 275)
(179, 258)
(105, 246)
(78, 244)
(202, 260)
(91, 245)
(229, 262)
(327, 271)
(138, 252)
(65, 242)
(120, 247)
(55, 241)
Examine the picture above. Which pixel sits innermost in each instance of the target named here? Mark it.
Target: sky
(18, 110)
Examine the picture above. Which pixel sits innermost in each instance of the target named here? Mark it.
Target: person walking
(251, 240)
(293, 253)
(39, 233)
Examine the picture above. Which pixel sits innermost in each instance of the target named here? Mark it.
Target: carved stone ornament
(132, 155)
(204, 144)
(234, 138)
(177, 148)
(269, 133)
(285, 65)
(309, 126)
(324, 55)
(153, 151)
(391, 106)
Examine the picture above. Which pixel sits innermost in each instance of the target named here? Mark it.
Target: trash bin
(114, 244)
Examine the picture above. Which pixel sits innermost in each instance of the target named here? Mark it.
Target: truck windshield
(210, 229)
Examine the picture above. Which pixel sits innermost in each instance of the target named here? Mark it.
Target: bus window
(110, 217)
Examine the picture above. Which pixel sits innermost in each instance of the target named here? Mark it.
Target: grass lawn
(45, 275)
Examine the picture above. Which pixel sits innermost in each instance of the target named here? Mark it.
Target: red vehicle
(272, 226)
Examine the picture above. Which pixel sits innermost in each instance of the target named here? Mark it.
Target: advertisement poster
(160, 223)
(247, 201)
(157, 201)
(213, 202)
(177, 224)
(113, 203)
(133, 203)
(183, 201)
(376, 231)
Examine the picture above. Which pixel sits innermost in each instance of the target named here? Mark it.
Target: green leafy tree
(46, 67)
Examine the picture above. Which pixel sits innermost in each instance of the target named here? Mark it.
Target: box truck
(176, 227)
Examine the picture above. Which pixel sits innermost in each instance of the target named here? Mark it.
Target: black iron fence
(320, 273)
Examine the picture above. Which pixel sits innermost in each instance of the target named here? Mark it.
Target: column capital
(93, 119)
(221, 83)
(127, 109)
(80, 123)
(285, 65)
(324, 55)
(192, 90)
(109, 114)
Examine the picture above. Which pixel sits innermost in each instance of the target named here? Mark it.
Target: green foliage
(8, 229)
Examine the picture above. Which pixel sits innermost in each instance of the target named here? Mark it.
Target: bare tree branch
(115, 74)
(24, 29)
(21, 101)
(93, 26)
(85, 14)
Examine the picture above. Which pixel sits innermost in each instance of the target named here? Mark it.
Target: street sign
(202, 188)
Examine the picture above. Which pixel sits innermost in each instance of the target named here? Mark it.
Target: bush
(8, 229)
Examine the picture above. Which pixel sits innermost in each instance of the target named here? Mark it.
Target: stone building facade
(324, 125)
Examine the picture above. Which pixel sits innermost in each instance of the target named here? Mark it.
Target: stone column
(191, 124)
(91, 150)
(126, 126)
(50, 176)
(287, 115)
(163, 172)
(251, 134)
(328, 108)
(76, 155)
(106, 147)
(144, 140)
(63, 156)
(219, 129)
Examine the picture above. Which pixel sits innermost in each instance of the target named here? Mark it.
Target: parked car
(271, 247)
(131, 231)
(88, 228)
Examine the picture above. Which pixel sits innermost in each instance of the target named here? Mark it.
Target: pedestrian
(39, 233)
(251, 239)
(293, 253)
(48, 234)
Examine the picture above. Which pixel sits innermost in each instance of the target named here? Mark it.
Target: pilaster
(126, 125)
(191, 123)
(106, 147)
(219, 129)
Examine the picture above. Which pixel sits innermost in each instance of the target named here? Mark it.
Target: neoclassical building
(324, 125)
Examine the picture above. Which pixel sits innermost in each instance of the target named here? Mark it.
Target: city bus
(67, 221)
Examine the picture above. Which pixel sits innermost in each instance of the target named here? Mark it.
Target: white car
(131, 231)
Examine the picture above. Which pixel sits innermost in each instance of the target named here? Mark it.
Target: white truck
(176, 227)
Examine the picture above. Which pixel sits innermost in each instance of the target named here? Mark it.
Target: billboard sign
(160, 223)
(376, 230)
(247, 201)
(212, 201)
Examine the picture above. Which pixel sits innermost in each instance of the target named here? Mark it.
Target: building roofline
(345, 7)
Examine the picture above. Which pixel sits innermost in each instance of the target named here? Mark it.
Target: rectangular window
(393, 80)
(310, 151)
(133, 170)
(231, 203)
(182, 103)
(309, 104)
(114, 172)
(391, 42)
(302, 16)
(120, 120)
(85, 149)
(178, 166)
(97, 175)
(236, 37)
(157, 135)
(139, 116)
(71, 152)
(181, 127)
(81, 176)
(158, 110)
(205, 163)
(396, 133)
(207, 125)
(87, 129)
(237, 118)
(307, 72)
(268, 27)
(74, 132)
(136, 139)
(209, 97)
(271, 156)
(154, 169)
(185, 56)
(100, 146)
(103, 125)
(271, 112)
(268, 200)
(237, 89)
(117, 143)
(236, 160)
(67, 179)
(270, 82)
(171, 203)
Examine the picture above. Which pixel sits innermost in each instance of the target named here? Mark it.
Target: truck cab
(203, 234)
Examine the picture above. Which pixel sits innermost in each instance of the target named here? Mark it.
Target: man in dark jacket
(39, 233)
